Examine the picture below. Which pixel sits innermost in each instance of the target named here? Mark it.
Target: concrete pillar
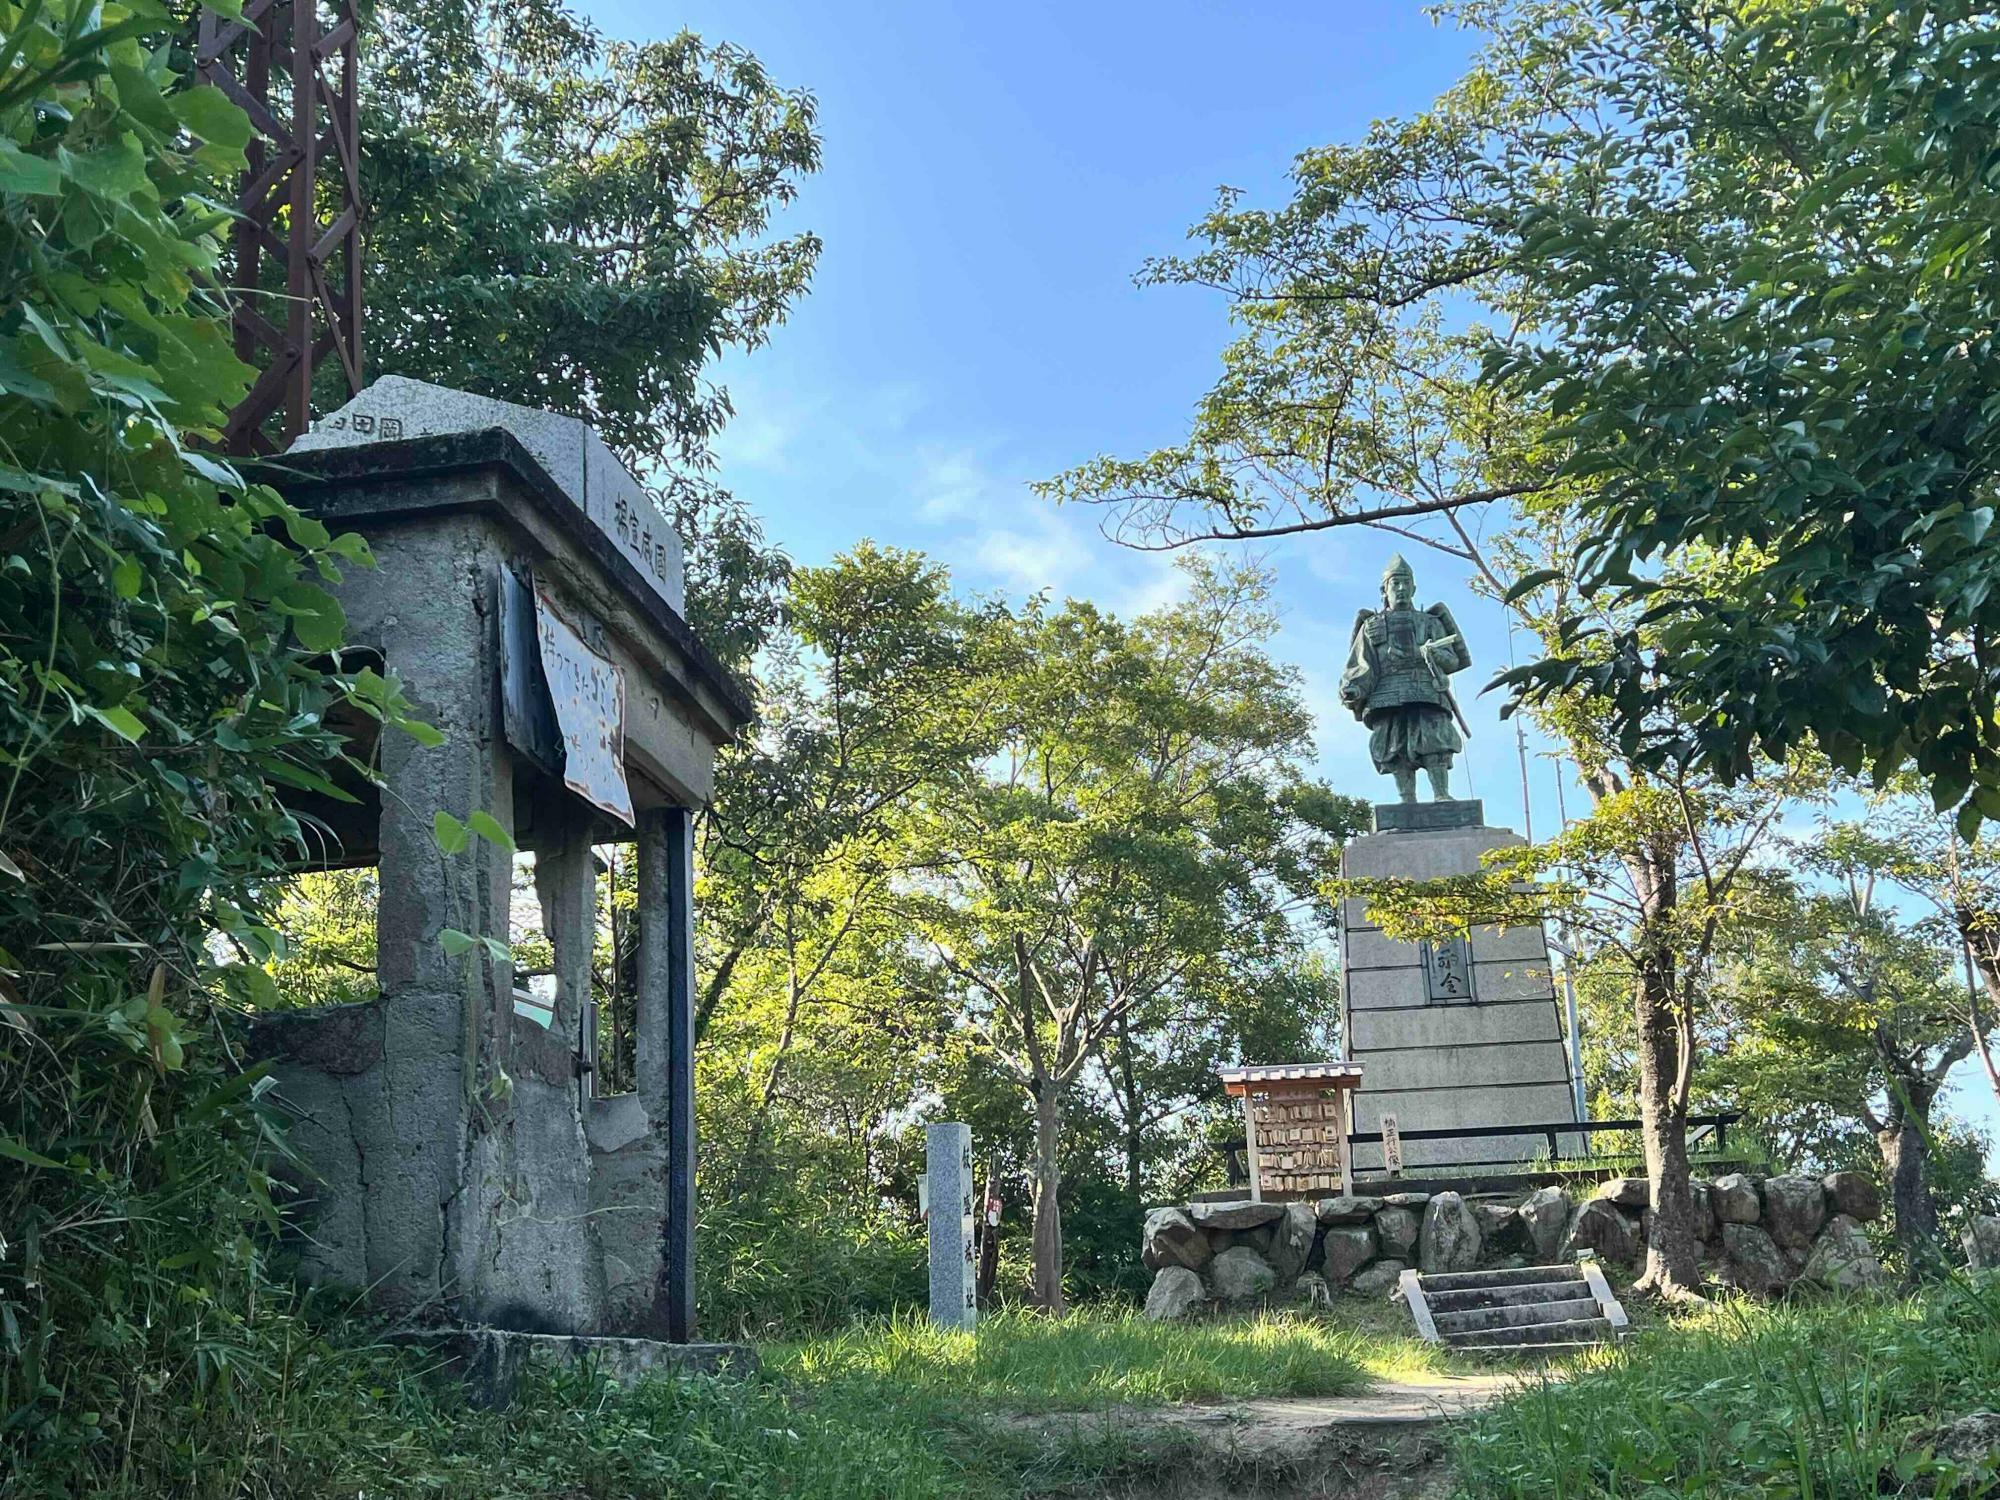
(442, 1014)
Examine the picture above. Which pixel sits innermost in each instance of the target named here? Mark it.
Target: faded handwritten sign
(1392, 1146)
(589, 694)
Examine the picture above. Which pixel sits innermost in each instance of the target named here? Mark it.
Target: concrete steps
(1540, 1308)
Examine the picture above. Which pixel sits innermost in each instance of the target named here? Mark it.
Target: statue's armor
(1394, 637)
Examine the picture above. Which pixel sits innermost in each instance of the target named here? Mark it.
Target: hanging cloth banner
(589, 694)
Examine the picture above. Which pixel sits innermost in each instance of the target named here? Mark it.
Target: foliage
(1715, 270)
(1021, 1361)
(1848, 1020)
(791, 1262)
(1959, 879)
(1141, 838)
(1828, 1398)
(328, 921)
(890, 1409)
(164, 673)
(1765, 327)
(582, 225)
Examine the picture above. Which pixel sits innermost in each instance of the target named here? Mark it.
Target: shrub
(164, 671)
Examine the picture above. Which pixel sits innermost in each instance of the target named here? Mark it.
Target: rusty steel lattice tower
(299, 205)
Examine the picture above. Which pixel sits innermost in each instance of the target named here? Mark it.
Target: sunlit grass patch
(1025, 1362)
(1819, 1399)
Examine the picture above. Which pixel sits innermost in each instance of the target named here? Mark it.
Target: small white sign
(589, 695)
(1392, 1146)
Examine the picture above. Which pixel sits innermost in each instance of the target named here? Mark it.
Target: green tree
(1849, 1017)
(1142, 826)
(1905, 841)
(582, 225)
(1717, 269)
(164, 675)
(1765, 318)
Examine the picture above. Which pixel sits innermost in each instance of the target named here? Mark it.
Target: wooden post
(1250, 1148)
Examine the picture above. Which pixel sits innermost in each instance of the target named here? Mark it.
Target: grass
(1816, 1400)
(1021, 1362)
(892, 1408)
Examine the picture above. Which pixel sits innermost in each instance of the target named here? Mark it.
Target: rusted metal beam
(295, 278)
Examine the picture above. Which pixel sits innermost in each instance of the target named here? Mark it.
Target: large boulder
(1843, 1260)
(1625, 1192)
(1292, 1240)
(1378, 1280)
(1754, 1263)
(1853, 1194)
(1982, 1242)
(1449, 1239)
(1240, 1274)
(1236, 1213)
(1794, 1209)
(1406, 1200)
(1734, 1199)
(1349, 1247)
(1173, 1239)
(1396, 1229)
(1544, 1216)
(1176, 1293)
(1969, 1444)
(1347, 1209)
(1604, 1227)
(1704, 1211)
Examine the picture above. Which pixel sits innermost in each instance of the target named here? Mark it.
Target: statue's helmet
(1397, 569)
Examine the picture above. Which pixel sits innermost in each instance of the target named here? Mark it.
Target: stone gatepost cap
(595, 479)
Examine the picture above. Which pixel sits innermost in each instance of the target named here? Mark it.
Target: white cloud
(952, 486)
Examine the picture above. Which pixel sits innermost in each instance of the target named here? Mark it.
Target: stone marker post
(948, 1170)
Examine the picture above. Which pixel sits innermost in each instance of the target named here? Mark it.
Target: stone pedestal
(1449, 1035)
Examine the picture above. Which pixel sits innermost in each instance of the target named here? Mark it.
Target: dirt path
(1291, 1427)
(1380, 1444)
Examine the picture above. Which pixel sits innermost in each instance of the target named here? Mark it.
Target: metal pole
(1521, 748)
(678, 1260)
(1577, 1093)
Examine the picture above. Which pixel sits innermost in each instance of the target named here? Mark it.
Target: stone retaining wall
(1758, 1234)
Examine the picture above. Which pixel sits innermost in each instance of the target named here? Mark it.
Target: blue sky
(993, 177)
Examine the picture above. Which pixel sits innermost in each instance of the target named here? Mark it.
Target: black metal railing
(1551, 1133)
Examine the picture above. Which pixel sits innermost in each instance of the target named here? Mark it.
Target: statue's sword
(1444, 686)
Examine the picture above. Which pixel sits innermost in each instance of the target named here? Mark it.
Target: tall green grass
(1023, 1362)
(892, 1409)
(1814, 1401)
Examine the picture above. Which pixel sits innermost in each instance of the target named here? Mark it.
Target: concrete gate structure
(529, 596)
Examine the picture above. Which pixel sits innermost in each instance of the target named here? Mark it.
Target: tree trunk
(1673, 1267)
(1904, 1140)
(1047, 1291)
(1976, 931)
(1134, 1129)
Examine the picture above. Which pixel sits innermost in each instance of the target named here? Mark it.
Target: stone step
(1552, 1351)
(1572, 1331)
(1516, 1315)
(1506, 1296)
(1467, 1281)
